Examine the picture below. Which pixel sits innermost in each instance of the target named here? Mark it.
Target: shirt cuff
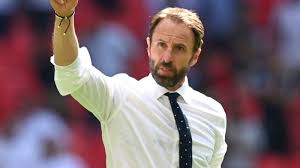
(71, 77)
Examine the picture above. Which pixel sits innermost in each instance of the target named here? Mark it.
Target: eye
(162, 44)
(180, 48)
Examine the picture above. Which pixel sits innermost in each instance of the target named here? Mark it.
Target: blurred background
(250, 63)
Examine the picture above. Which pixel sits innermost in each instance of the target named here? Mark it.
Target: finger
(66, 1)
(61, 2)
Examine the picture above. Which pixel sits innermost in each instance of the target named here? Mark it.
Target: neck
(178, 85)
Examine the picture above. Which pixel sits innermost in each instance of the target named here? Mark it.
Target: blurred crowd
(250, 63)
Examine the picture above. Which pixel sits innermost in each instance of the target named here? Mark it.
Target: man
(158, 121)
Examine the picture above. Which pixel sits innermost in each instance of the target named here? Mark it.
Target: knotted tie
(185, 138)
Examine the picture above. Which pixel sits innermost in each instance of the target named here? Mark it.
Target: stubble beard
(167, 81)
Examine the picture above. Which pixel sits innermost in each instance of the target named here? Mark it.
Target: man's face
(171, 53)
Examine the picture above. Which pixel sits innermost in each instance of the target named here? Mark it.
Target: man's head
(174, 45)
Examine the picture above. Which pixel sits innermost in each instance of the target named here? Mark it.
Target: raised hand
(63, 7)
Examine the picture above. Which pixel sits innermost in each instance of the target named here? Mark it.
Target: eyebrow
(176, 44)
(161, 40)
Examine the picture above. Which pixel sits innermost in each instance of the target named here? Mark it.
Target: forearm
(65, 43)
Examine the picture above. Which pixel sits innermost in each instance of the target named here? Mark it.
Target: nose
(167, 56)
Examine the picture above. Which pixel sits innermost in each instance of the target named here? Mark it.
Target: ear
(148, 45)
(195, 57)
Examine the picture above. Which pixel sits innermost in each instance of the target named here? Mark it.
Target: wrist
(65, 14)
(62, 18)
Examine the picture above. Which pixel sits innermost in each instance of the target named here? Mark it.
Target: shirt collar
(156, 91)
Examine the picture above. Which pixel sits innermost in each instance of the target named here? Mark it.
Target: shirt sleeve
(220, 146)
(95, 91)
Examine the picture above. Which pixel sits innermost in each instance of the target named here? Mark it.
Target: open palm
(63, 7)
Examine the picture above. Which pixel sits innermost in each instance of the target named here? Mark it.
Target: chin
(165, 81)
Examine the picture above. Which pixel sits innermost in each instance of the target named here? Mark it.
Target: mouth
(165, 71)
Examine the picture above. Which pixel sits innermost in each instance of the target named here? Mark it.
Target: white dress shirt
(138, 126)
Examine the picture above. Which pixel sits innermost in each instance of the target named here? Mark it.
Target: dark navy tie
(185, 137)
